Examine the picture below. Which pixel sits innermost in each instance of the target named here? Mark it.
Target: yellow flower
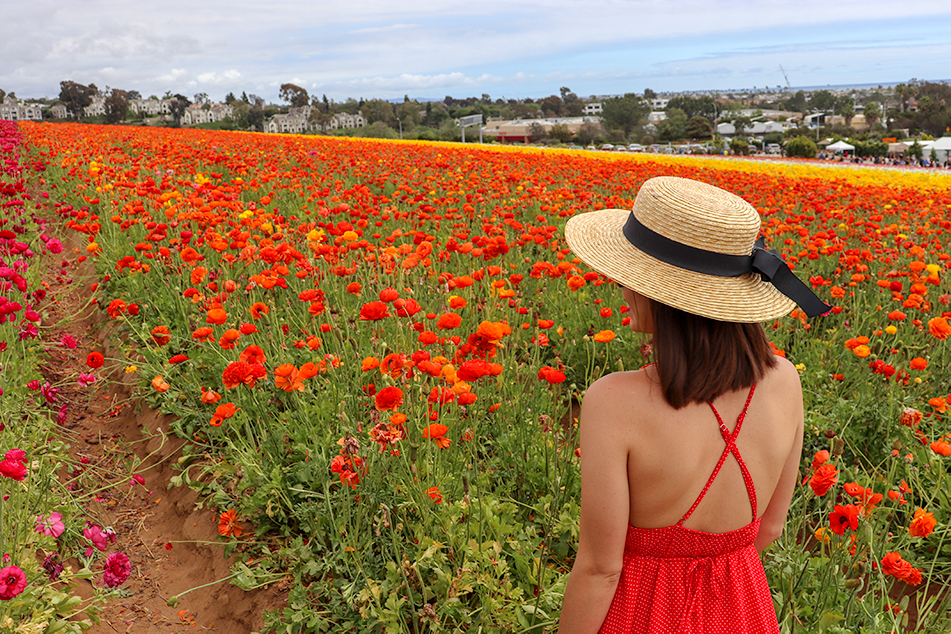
(822, 534)
(890, 329)
(129, 369)
(800, 366)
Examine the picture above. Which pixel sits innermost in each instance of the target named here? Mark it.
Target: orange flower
(370, 363)
(229, 338)
(605, 336)
(892, 564)
(286, 377)
(448, 321)
(862, 351)
(252, 354)
(258, 309)
(374, 311)
(389, 398)
(918, 363)
(228, 524)
(941, 447)
(922, 524)
(387, 295)
(223, 411)
(216, 316)
(910, 417)
(897, 315)
(210, 397)
(550, 374)
(575, 282)
(939, 328)
(203, 333)
(437, 433)
(456, 302)
(160, 384)
(821, 457)
(309, 370)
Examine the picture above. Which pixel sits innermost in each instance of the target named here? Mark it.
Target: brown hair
(698, 358)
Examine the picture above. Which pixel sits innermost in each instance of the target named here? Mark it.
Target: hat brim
(596, 237)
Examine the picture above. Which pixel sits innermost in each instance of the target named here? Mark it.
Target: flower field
(376, 349)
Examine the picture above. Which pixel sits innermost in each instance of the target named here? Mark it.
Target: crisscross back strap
(730, 440)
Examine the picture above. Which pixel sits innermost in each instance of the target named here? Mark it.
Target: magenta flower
(16, 454)
(116, 570)
(49, 392)
(34, 384)
(51, 524)
(98, 537)
(86, 379)
(12, 582)
(69, 341)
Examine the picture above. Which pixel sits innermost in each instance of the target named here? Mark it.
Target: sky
(462, 48)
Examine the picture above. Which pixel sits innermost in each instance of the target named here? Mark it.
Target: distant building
(59, 111)
(592, 109)
(520, 130)
(97, 108)
(298, 121)
(198, 113)
(147, 107)
(659, 103)
(12, 109)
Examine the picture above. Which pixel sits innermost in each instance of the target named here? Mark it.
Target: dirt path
(172, 546)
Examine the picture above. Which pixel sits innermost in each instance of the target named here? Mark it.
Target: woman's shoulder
(618, 390)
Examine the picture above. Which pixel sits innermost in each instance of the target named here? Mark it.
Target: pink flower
(12, 582)
(69, 341)
(86, 379)
(51, 525)
(100, 538)
(49, 392)
(16, 454)
(34, 384)
(116, 570)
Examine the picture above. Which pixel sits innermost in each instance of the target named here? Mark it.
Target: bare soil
(172, 545)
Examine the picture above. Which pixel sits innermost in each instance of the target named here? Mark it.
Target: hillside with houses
(902, 122)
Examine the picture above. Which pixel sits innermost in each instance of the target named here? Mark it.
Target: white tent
(941, 147)
(841, 146)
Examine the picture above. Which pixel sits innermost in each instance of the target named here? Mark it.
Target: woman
(688, 465)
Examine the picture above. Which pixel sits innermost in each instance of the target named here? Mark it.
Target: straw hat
(692, 229)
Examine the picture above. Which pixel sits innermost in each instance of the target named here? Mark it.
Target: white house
(198, 113)
(941, 148)
(147, 107)
(592, 109)
(14, 110)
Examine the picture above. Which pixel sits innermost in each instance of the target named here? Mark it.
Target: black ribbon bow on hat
(767, 262)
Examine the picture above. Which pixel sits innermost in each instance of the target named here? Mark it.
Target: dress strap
(731, 447)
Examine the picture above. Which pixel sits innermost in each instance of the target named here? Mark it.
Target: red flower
(222, 412)
(844, 517)
(894, 565)
(824, 479)
(387, 295)
(252, 354)
(13, 469)
(94, 359)
(374, 311)
(389, 398)
(550, 374)
(178, 358)
(12, 582)
(216, 316)
(161, 335)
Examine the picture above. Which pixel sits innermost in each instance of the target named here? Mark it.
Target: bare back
(672, 453)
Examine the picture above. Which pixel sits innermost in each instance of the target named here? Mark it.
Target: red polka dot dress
(676, 579)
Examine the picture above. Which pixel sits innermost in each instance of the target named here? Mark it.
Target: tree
(672, 128)
(649, 94)
(75, 97)
(845, 107)
(117, 105)
(134, 94)
(822, 100)
(537, 132)
(254, 100)
(561, 133)
(699, 127)
(692, 106)
(588, 133)
(294, 95)
(797, 103)
(244, 97)
(915, 150)
(801, 146)
(873, 112)
(740, 147)
(201, 97)
(624, 113)
(256, 118)
(230, 98)
(177, 107)
(552, 106)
